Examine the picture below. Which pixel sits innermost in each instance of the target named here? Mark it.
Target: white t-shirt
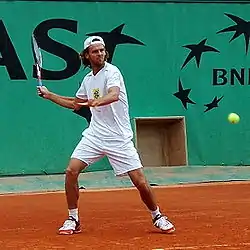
(110, 121)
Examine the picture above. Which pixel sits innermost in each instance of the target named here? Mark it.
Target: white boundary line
(204, 246)
(130, 188)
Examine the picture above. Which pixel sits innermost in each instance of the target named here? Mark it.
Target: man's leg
(138, 178)
(72, 224)
(86, 152)
(145, 190)
(124, 158)
(71, 182)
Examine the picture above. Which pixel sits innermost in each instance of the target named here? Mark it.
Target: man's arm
(66, 102)
(76, 102)
(68, 98)
(112, 96)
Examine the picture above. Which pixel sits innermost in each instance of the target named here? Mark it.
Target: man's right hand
(43, 92)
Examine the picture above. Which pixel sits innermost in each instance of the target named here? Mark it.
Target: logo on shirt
(96, 93)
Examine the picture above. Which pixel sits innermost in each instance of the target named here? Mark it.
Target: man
(109, 133)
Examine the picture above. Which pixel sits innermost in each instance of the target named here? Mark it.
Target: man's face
(96, 54)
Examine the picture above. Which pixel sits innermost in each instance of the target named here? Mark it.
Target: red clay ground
(206, 217)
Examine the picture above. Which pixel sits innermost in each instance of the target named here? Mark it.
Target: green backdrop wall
(38, 137)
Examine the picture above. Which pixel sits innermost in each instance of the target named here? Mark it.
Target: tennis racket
(38, 59)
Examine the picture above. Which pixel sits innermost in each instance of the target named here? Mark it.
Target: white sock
(74, 213)
(155, 213)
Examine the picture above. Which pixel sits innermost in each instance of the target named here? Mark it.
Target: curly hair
(86, 61)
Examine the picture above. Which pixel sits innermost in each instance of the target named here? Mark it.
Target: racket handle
(40, 82)
(40, 85)
(39, 75)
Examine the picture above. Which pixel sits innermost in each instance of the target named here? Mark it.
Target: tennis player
(109, 134)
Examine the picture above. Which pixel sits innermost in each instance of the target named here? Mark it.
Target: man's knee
(138, 179)
(74, 168)
(71, 172)
(140, 183)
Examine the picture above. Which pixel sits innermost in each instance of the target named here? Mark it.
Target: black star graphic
(213, 104)
(115, 37)
(182, 95)
(241, 27)
(196, 51)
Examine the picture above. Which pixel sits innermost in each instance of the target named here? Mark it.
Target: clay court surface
(206, 217)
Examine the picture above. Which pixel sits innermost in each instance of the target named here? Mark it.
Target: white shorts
(122, 156)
